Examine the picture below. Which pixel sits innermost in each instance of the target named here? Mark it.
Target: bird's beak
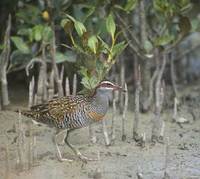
(119, 88)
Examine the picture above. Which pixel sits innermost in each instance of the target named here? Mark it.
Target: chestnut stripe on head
(106, 84)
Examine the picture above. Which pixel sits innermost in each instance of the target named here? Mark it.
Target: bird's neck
(100, 102)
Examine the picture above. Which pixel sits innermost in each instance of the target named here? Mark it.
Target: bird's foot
(59, 155)
(61, 159)
(62, 143)
(157, 139)
(84, 158)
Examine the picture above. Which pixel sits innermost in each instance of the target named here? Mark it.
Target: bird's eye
(108, 85)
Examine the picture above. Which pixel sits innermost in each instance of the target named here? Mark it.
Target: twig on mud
(105, 133)
(162, 129)
(67, 88)
(139, 176)
(32, 155)
(143, 140)
(166, 175)
(7, 163)
(34, 150)
(20, 144)
(139, 173)
(74, 84)
(174, 117)
(30, 147)
(31, 92)
(97, 174)
(124, 112)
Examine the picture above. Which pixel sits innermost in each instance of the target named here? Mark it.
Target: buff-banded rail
(73, 112)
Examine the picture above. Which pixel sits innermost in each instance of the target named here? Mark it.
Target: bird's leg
(59, 154)
(61, 135)
(76, 151)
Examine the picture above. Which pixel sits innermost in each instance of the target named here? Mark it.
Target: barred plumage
(73, 112)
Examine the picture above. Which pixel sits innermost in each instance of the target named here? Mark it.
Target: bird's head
(104, 90)
(108, 86)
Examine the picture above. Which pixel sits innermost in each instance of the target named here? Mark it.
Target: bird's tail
(30, 114)
(27, 113)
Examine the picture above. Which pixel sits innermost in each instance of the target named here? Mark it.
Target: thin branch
(143, 30)
(51, 85)
(173, 75)
(134, 47)
(67, 88)
(124, 113)
(55, 68)
(43, 70)
(149, 100)
(4, 60)
(122, 83)
(173, 45)
(6, 51)
(41, 87)
(113, 118)
(166, 175)
(74, 84)
(31, 64)
(31, 92)
(126, 26)
(137, 104)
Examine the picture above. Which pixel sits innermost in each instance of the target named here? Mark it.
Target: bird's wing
(57, 109)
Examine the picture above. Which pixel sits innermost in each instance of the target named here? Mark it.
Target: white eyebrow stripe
(107, 82)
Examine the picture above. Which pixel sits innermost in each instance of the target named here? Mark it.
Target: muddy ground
(121, 160)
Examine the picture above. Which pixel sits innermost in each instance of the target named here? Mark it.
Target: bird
(73, 112)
